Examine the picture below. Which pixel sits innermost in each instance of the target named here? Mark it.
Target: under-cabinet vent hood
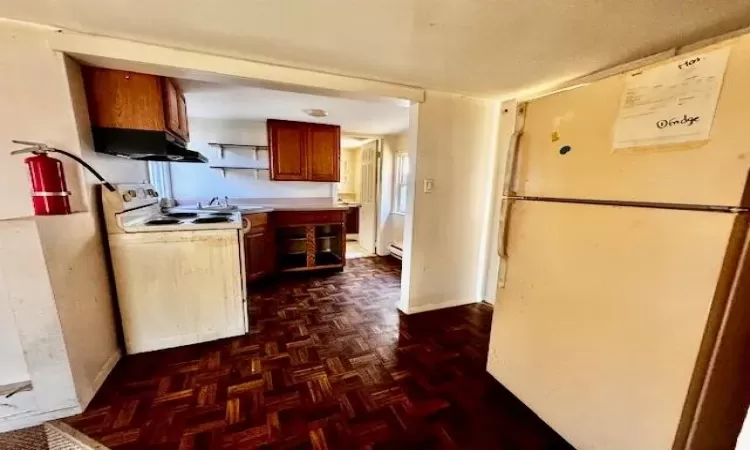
(143, 145)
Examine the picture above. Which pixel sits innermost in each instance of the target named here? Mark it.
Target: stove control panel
(130, 196)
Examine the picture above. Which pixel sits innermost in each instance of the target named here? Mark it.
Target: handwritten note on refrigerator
(671, 103)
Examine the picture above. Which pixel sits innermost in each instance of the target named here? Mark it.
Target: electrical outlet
(429, 183)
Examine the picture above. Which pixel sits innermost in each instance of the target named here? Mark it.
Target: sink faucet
(218, 201)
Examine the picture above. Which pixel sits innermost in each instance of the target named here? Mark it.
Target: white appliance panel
(711, 173)
(599, 326)
(178, 288)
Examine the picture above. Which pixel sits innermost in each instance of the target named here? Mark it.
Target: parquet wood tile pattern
(329, 364)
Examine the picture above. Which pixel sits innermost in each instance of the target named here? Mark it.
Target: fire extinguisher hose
(37, 148)
(93, 171)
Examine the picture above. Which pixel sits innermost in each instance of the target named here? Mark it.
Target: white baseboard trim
(37, 418)
(434, 306)
(106, 369)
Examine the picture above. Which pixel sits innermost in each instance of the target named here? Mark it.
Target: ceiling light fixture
(316, 112)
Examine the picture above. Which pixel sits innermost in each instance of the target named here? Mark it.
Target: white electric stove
(134, 208)
(180, 277)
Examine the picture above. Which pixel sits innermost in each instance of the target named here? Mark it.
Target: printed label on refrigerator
(671, 103)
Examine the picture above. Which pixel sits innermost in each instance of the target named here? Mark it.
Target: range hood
(143, 145)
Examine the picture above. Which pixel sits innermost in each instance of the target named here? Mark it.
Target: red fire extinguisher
(49, 191)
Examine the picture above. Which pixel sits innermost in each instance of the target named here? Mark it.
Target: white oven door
(178, 288)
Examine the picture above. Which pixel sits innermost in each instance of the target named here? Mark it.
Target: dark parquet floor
(329, 364)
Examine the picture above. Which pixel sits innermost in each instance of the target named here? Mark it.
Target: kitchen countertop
(138, 225)
(264, 205)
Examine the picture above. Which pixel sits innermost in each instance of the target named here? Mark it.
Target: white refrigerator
(623, 313)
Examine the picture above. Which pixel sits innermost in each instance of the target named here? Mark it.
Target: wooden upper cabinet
(171, 106)
(287, 143)
(135, 101)
(118, 99)
(324, 152)
(304, 151)
(183, 119)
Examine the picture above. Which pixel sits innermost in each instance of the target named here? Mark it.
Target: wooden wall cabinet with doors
(135, 101)
(301, 151)
(260, 254)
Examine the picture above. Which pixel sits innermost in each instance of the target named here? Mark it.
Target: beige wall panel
(708, 173)
(599, 326)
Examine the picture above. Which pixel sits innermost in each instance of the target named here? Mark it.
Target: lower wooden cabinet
(352, 220)
(292, 241)
(260, 247)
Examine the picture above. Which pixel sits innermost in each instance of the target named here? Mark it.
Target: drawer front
(255, 223)
(257, 229)
(258, 219)
(308, 217)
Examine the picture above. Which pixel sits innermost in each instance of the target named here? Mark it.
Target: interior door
(368, 197)
(288, 150)
(324, 152)
(599, 326)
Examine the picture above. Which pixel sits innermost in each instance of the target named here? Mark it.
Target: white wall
(31, 298)
(78, 275)
(350, 171)
(12, 359)
(451, 141)
(391, 224)
(198, 181)
(31, 110)
(53, 269)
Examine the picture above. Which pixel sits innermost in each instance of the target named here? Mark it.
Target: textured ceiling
(479, 47)
(227, 102)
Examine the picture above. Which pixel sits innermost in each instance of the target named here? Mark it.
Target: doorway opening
(374, 178)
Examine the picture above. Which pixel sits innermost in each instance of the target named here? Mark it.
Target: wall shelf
(254, 148)
(225, 168)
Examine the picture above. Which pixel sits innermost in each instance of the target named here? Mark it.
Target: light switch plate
(429, 183)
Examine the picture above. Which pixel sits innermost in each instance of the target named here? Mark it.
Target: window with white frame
(160, 176)
(402, 175)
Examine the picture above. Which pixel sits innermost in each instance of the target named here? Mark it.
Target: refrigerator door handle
(507, 194)
(510, 163)
(502, 240)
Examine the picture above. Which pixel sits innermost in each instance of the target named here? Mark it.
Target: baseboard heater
(396, 250)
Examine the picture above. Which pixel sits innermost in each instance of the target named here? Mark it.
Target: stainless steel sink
(218, 208)
(206, 209)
